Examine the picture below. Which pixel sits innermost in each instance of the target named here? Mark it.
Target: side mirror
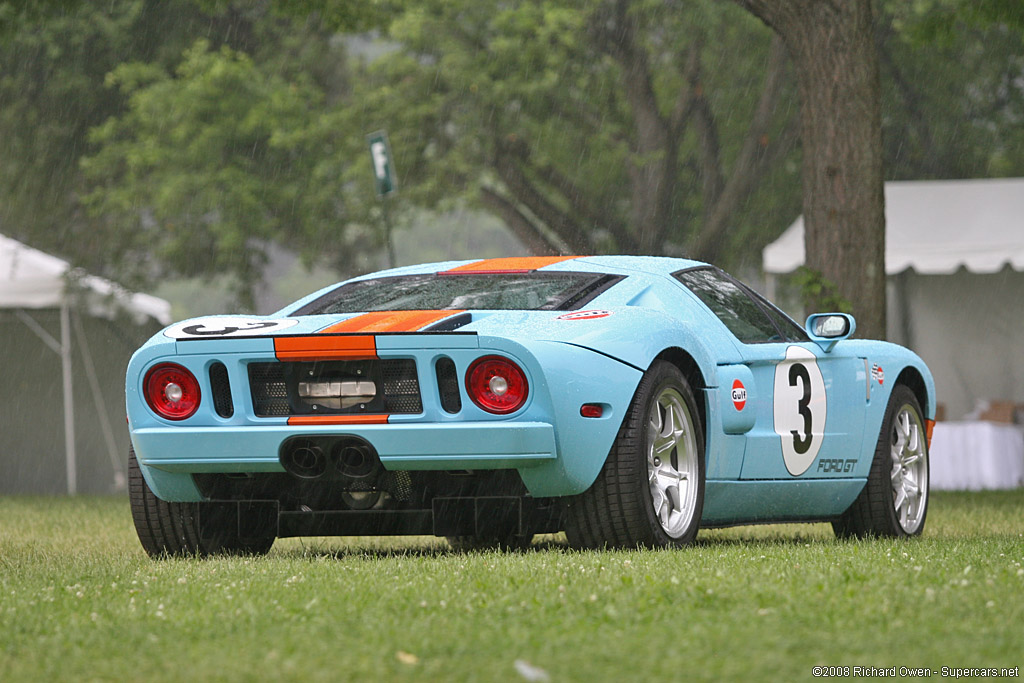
(825, 329)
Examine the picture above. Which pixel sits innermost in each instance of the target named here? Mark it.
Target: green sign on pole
(383, 166)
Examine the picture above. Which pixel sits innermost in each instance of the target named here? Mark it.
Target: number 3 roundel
(800, 406)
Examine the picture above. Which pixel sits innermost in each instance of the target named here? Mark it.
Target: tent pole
(120, 482)
(69, 410)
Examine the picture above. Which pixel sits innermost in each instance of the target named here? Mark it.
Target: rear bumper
(167, 453)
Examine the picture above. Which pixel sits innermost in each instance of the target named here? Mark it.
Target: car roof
(612, 265)
(616, 265)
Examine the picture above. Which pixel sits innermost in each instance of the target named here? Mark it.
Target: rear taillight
(171, 391)
(497, 385)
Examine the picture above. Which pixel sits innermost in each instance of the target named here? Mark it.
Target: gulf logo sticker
(739, 394)
(584, 315)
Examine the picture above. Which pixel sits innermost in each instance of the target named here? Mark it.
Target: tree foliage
(203, 166)
(952, 94)
(146, 138)
(54, 61)
(618, 126)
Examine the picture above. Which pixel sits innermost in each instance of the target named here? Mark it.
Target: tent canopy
(30, 278)
(935, 227)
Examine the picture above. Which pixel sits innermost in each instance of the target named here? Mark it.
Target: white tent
(955, 259)
(31, 280)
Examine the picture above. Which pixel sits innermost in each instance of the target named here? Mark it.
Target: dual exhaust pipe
(340, 458)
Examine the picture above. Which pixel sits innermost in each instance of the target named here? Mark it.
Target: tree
(952, 96)
(54, 59)
(202, 170)
(615, 126)
(834, 55)
(622, 125)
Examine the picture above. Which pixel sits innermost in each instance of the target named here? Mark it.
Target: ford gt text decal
(226, 327)
(390, 321)
(512, 264)
(800, 407)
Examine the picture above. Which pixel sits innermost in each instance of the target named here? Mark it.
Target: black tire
(619, 509)
(878, 510)
(172, 529)
(464, 544)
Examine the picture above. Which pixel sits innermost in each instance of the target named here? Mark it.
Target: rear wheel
(650, 491)
(894, 501)
(170, 529)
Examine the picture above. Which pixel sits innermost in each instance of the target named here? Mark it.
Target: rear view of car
(628, 401)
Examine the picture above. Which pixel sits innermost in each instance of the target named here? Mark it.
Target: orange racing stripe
(511, 264)
(338, 420)
(325, 348)
(389, 321)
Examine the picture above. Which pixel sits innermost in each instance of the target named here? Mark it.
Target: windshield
(490, 291)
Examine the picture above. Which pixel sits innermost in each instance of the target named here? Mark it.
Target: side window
(744, 317)
(791, 329)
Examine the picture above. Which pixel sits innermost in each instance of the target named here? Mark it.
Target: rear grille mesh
(220, 387)
(401, 386)
(269, 391)
(275, 387)
(448, 385)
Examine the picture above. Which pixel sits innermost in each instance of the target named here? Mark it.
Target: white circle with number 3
(800, 407)
(227, 326)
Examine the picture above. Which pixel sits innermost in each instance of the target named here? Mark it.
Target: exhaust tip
(304, 459)
(354, 459)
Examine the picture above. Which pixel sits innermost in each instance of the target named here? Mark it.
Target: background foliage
(148, 139)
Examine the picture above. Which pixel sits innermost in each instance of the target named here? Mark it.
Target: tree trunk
(832, 46)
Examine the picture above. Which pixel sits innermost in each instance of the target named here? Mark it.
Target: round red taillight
(497, 385)
(171, 391)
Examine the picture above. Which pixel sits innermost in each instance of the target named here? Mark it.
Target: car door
(809, 405)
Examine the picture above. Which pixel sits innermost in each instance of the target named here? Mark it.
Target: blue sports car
(627, 401)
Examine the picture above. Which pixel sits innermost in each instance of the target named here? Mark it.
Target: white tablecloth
(977, 455)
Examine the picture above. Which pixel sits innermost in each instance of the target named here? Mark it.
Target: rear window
(535, 291)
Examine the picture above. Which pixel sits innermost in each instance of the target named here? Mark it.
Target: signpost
(383, 166)
(386, 181)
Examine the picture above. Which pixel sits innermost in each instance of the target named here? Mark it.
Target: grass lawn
(79, 600)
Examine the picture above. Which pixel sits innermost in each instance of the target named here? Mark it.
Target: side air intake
(448, 385)
(221, 389)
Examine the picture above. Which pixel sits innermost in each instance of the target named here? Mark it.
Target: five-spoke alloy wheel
(894, 502)
(650, 491)
(672, 466)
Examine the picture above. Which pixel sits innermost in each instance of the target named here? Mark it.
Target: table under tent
(954, 257)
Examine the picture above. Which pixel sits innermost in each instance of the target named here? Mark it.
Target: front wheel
(173, 529)
(894, 501)
(650, 491)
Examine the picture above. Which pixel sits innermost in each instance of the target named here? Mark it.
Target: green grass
(80, 601)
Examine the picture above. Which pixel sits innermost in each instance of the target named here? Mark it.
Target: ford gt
(627, 401)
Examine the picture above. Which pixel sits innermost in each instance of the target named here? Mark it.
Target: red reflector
(591, 410)
(929, 427)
